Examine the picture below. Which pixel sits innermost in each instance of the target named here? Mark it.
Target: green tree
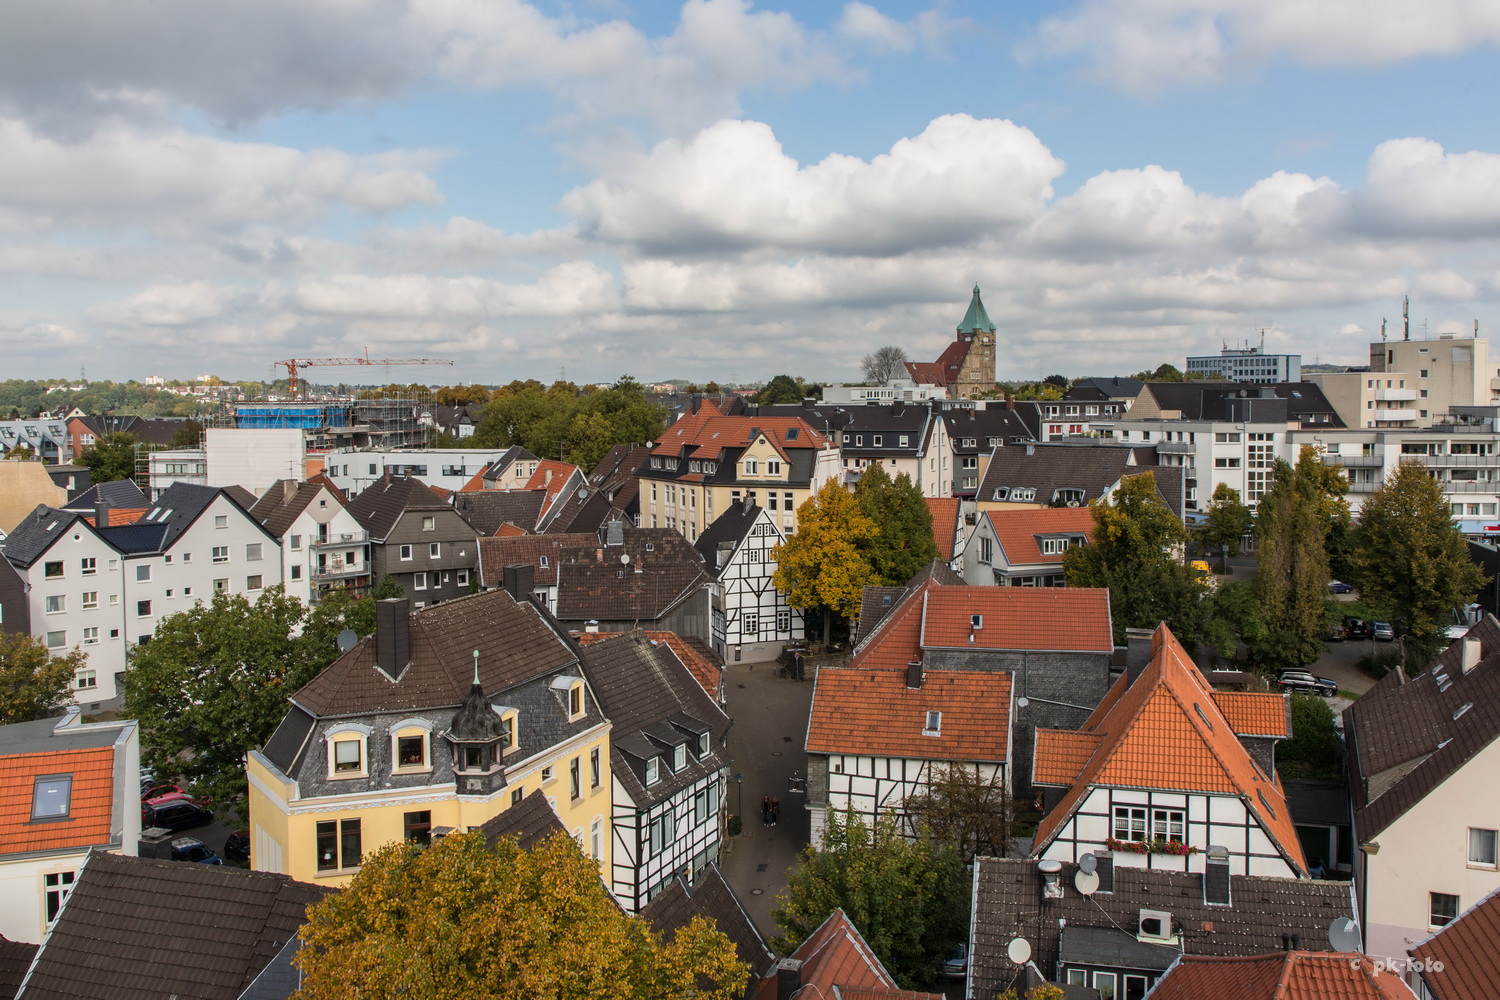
(822, 565)
(903, 542)
(34, 684)
(110, 457)
(1314, 751)
(1133, 551)
(781, 389)
(317, 644)
(458, 920)
(386, 587)
(962, 808)
(1292, 523)
(1413, 565)
(189, 434)
(213, 683)
(909, 897)
(590, 437)
(1226, 521)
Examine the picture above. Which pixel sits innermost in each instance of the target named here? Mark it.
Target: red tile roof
(857, 710)
(1469, 949)
(835, 956)
(1061, 755)
(508, 530)
(1017, 531)
(1166, 731)
(124, 515)
(944, 524)
(475, 484)
(90, 803)
(706, 434)
(1282, 975)
(1252, 713)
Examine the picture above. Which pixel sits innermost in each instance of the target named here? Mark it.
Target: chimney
(288, 490)
(592, 625)
(914, 674)
(1472, 652)
(519, 579)
(1010, 401)
(807, 402)
(547, 479)
(1216, 876)
(788, 978)
(392, 636)
(1104, 867)
(1051, 872)
(614, 533)
(101, 513)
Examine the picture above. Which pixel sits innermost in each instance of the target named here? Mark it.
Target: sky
(727, 190)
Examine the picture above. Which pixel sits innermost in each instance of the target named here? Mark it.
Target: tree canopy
(1291, 580)
(110, 457)
(1226, 521)
(781, 389)
(460, 921)
(883, 364)
(965, 810)
(909, 897)
(1413, 565)
(822, 565)
(562, 422)
(34, 684)
(903, 542)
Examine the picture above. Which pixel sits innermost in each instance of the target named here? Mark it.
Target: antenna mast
(1406, 317)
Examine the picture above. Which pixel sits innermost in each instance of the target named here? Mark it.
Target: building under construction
(383, 424)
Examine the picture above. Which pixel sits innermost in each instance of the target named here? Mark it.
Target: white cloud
(1144, 46)
(731, 186)
(570, 289)
(1414, 187)
(167, 305)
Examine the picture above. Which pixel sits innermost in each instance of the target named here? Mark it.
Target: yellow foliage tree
(822, 565)
(461, 921)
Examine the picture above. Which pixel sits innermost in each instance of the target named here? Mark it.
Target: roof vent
(1051, 872)
(1462, 709)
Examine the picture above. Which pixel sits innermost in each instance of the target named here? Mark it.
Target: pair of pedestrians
(770, 810)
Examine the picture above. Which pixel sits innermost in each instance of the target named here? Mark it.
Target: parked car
(176, 814)
(957, 964)
(157, 794)
(1339, 587)
(1336, 633)
(237, 846)
(1356, 628)
(194, 850)
(1302, 681)
(1383, 631)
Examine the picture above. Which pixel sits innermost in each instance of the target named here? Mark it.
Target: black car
(1302, 681)
(237, 846)
(194, 850)
(1357, 628)
(178, 814)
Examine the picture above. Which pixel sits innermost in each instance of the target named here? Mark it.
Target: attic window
(544, 562)
(653, 770)
(976, 622)
(934, 725)
(1462, 709)
(791, 433)
(1206, 720)
(51, 796)
(679, 757)
(1002, 492)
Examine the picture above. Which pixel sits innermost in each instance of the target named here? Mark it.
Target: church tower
(976, 372)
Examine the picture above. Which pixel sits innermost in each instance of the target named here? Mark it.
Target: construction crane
(294, 365)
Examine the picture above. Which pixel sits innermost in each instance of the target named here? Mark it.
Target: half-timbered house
(1167, 773)
(667, 764)
(751, 619)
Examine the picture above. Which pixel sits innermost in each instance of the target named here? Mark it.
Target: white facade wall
(873, 785)
(744, 589)
(693, 821)
(1427, 851)
(97, 630)
(253, 457)
(1248, 365)
(304, 549)
(448, 468)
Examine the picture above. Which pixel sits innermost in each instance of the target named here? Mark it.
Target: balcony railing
(1355, 461)
(335, 569)
(341, 539)
(1176, 448)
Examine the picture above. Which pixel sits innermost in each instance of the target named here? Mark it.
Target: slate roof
(1163, 731)
(711, 896)
(1008, 425)
(1019, 531)
(1469, 949)
(1008, 904)
(139, 929)
(612, 494)
(514, 639)
(117, 493)
(836, 961)
(275, 511)
(733, 525)
(181, 504)
(1302, 402)
(487, 510)
(529, 822)
(695, 654)
(380, 505)
(856, 710)
(945, 519)
(15, 959)
(1047, 468)
(31, 538)
(1409, 735)
(1111, 387)
(1282, 975)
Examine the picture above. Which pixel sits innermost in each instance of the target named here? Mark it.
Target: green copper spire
(976, 320)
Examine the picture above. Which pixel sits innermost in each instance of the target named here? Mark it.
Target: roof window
(1462, 709)
(51, 796)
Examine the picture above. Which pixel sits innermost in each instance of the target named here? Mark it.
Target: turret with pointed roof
(966, 366)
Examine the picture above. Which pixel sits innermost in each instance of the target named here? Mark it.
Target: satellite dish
(1018, 951)
(1089, 863)
(1022, 702)
(624, 558)
(1087, 883)
(347, 640)
(1343, 934)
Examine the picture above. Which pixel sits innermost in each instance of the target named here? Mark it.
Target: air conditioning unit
(1155, 926)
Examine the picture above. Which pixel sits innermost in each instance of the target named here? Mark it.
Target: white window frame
(1478, 859)
(1129, 820)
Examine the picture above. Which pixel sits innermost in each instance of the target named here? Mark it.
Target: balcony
(342, 539)
(1176, 448)
(1393, 415)
(1354, 461)
(338, 569)
(1396, 395)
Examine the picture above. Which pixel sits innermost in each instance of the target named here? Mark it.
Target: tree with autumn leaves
(821, 566)
(462, 921)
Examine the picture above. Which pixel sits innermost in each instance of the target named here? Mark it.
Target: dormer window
(751, 467)
(702, 745)
(411, 745)
(571, 690)
(348, 755)
(653, 770)
(679, 757)
(473, 758)
(934, 725)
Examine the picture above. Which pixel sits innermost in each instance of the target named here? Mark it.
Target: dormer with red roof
(1161, 776)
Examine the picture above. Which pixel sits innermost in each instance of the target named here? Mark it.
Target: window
(91, 636)
(1226, 463)
(221, 586)
(475, 758)
(406, 553)
(1420, 374)
(750, 625)
(86, 679)
(143, 573)
(435, 549)
(296, 542)
(90, 600)
(51, 795)
(575, 700)
(596, 838)
(338, 845)
(784, 620)
(462, 578)
(252, 583)
(653, 770)
(516, 795)
(417, 827)
(88, 566)
(971, 462)
(57, 886)
(594, 770)
(1054, 546)
(52, 570)
(1166, 824)
(546, 774)
(221, 520)
(220, 553)
(1130, 823)
(143, 609)
(1482, 847)
(703, 740)
(56, 604)
(575, 778)
(429, 524)
(411, 751)
(751, 467)
(508, 731)
(296, 574)
(252, 551)
(1443, 909)
(679, 757)
(348, 756)
(986, 549)
(773, 467)
(419, 581)
(57, 640)
(934, 726)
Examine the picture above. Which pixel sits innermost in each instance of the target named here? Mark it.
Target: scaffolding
(340, 422)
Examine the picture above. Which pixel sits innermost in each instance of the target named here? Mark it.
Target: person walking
(765, 810)
(775, 810)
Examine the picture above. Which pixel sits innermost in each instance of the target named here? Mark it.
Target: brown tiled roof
(857, 710)
(514, 641)
(836, 957)
(1017, 531)
(509, 550)
(1469, 949)
(944, 524)
(90, 807)
(705, 665)
(680, 901)
(15, 959)
(529, 822)
(1008, 904)
(1408, 736)
(1166, 731)
(139, 929)
(275, 512)
(1256, 713)
(1281, 975)
(488, 510)
(380, 505)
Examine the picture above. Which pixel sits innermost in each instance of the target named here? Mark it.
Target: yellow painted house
(440, 721)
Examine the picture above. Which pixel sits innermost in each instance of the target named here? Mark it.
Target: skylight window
(51, 796)
(1462, 709)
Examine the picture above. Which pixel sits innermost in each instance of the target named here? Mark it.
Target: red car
(157, 794)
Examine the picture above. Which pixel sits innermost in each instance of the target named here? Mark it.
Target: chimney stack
(1104, 867)
(1472, 652)
(101, 513)
(392, 636)
(914, 674)
(519, 579)
(1216, 876)
(288, 490)
(788, 978)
